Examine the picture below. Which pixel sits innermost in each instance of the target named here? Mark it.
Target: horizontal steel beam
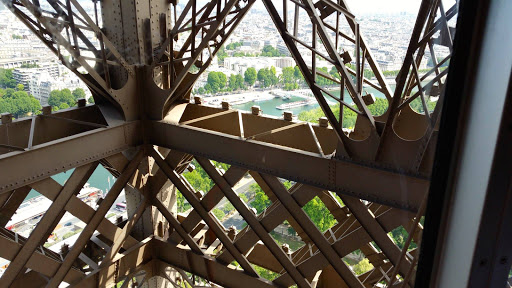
(45, 160)
(371, 183)
(203, 266)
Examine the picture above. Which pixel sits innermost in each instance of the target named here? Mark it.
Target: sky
(364, 7)
(360, 7)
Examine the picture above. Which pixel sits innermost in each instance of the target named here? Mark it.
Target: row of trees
(349, 117)
(290, 79)
(18, 102)
(63, 99)
(14, 100)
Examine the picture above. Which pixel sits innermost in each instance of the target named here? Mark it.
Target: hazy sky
(359, 7)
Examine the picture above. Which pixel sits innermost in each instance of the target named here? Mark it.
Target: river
(269, 107)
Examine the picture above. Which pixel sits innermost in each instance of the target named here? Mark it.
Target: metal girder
(256, 225)
(204, 266)
(93, 223)
(207, 217)
(128, 262)
(386, 187)
(330, 254)
(404, 124)
(50, 219)
(212, 24)
(38, 262)
(15, 198)
(76, 207)
(296, 151)
(60, 155)
(72, 19)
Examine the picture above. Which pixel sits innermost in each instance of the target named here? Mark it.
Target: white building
(240, 64)
(42, 84)
(23, 75)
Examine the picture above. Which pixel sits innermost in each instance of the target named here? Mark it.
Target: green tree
(250, 76)
(261, 200)
(298, 74)
(319, 214)
(221, 54)
(233, 82)
(20, 87)
(57, 97)
(7, 79)
(63, 106)
(267, 274)
(334, 72)
(78, 93)
(90, 100)
(181, 202)
(240, 81)
(234, 45)
(199, 178)
(267, 77)
(288, 75)
(349, 116)
(269, 51)
(243, 197)
(18, 103)
(217, 81)
(362, 267)
(218, 213)
(228, 207)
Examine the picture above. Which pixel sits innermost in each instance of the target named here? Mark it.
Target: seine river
(99, 178)
(269, 107)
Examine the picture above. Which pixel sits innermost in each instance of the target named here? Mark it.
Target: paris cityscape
(254, 68)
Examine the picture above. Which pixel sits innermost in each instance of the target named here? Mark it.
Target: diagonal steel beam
(378, 234)
(88, 231)
(205, 267)
(15, 199)
(120, 238)
(255, 224)
(76, 207)
(315, 235)
(177, 226)
(210, 200)
(38, 262)
(49, 221)
(207, 217)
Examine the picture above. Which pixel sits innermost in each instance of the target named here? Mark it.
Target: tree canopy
(78, 93)
(18, 103)
(6, 78)
(216, 82)
(349, 117)
(250, 76)
(236, 82)
(234, 45)
(59, 97)
(269, 51)
(267, 77)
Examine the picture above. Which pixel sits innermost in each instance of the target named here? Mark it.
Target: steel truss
(146, 134)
